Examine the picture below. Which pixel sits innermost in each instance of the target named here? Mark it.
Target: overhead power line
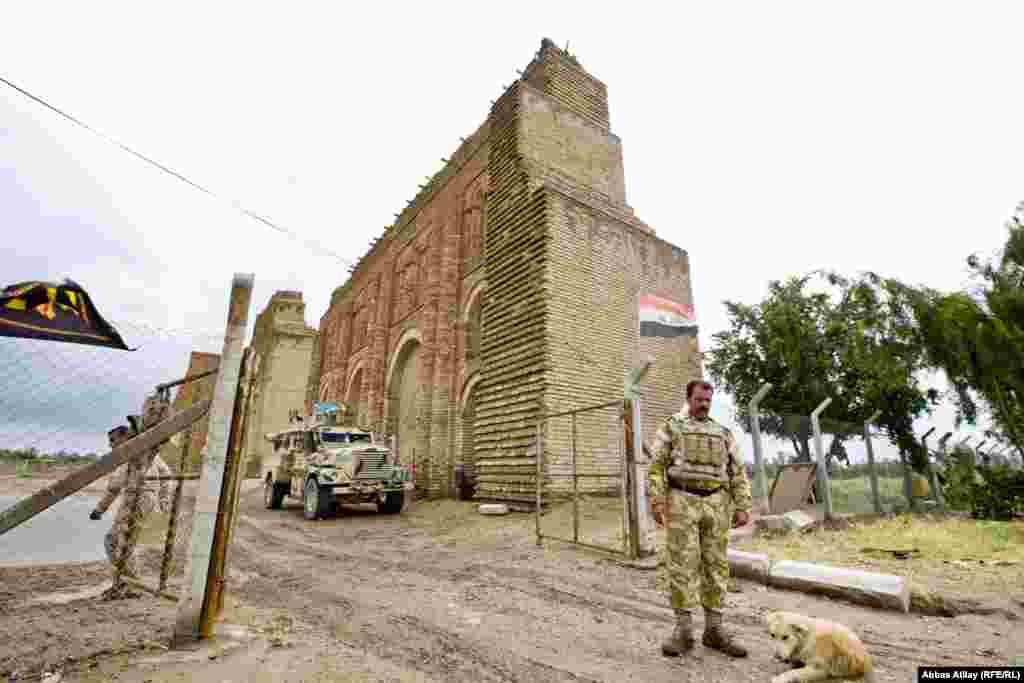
(315, 246)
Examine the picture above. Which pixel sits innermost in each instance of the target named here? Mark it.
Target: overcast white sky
(767, 139)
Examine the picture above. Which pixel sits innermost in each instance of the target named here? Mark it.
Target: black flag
(55, 312)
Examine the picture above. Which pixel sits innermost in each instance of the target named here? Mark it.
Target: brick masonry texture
(187, 395)
(280, 357)
(507, 289)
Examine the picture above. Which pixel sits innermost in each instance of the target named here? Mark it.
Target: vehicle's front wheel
(392, 503)
(273, 494)
(318, 501)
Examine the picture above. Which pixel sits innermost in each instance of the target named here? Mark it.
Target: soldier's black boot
(717, 638)
(681, 640)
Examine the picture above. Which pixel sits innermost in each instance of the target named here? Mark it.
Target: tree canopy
(854, 341)
(977, 337)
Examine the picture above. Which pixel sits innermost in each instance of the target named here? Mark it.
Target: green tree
(977, 337)
(855, 342)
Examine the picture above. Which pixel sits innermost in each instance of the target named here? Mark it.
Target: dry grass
(955, 554)
(600, 520)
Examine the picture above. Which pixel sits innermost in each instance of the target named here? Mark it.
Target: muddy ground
(438, 593)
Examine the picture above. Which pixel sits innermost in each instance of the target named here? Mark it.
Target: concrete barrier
(865, 588)
(753, 566)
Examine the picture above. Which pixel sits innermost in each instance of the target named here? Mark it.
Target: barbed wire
(64, 397)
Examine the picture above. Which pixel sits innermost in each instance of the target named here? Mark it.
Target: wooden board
(793, 487)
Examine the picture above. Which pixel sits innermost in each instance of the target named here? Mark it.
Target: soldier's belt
(677, 481)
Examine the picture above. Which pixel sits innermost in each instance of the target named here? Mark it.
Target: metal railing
(621, 477)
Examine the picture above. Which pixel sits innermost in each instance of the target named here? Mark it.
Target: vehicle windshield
(343, 437)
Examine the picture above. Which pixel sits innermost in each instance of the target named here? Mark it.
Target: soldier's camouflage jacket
(119, 480)
(704, 452)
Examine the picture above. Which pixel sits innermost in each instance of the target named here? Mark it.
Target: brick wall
(187, 395)
(529, 215)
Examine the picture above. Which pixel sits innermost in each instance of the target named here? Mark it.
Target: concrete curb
(885, 591)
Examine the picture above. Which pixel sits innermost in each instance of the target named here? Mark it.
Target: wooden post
(209, 501)
(172, 523)
(214, 600)
(28, 508)
(634, 521)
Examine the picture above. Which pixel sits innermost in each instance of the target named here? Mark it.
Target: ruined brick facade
(279, 361)
(187, 395)
(507, 289)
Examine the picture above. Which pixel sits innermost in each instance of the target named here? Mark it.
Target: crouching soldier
(697, 491)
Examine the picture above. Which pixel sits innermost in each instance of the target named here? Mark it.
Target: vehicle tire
(273, 494)
(318, 500)
(392, 503)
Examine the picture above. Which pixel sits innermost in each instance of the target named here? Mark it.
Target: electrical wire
(314, 246)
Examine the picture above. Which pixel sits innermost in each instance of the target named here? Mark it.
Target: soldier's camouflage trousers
(118, 534)
(695, 565)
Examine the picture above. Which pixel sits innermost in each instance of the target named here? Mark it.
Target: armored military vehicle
(324, 466)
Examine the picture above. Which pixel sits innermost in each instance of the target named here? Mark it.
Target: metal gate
(598, 462)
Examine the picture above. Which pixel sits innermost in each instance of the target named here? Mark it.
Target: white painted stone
(866, 588)
(754, 566)
(493, 509)
(797, 519)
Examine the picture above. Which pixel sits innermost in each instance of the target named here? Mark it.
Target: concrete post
(933, 480)
(211, 477)
(876, 498)
(760, 476)
(941, 454)
(819, 449)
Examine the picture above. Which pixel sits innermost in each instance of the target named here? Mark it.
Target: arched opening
(473, 330)
(406, 402)
(355, 403)
(468, 417)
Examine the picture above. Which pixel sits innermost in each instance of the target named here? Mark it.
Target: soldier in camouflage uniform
(697, 489)
(154, 496)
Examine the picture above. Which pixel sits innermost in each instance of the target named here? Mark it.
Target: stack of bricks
(527, 220)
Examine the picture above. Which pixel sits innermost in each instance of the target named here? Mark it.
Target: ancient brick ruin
(508, 289)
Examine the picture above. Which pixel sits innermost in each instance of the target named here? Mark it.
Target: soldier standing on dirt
(697, 488)
(155, 495)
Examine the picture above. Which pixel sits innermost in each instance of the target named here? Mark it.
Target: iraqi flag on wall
(55, 312)
(663, 318)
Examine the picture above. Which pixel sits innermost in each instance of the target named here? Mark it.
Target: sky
(766, 139)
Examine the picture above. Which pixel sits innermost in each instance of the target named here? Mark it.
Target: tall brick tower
(507, 289)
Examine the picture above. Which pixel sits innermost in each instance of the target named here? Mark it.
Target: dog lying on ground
(824, 648)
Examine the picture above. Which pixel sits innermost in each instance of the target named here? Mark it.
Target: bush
(988, 492)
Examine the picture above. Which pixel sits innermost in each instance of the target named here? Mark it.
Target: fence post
(823, 484)
(933, 480)
(540, 479)
(214, 600)
(760, 476)
(575, 487)
(872, 472)
(941, 454)
(647, 540)
(630, 481)
(209, 502)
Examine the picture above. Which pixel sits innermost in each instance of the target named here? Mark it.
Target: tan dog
(825, 649)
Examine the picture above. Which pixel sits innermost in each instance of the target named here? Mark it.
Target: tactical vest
(701, 459)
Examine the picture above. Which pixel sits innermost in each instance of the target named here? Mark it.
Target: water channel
(62, 533)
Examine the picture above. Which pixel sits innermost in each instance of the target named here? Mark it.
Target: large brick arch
(474, 295)
(467, 390)
(410, 336)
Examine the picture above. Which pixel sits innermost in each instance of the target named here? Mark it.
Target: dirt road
(444, 594)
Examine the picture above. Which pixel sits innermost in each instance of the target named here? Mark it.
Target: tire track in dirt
(553, 599)
(400, 637)
(612, 660)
